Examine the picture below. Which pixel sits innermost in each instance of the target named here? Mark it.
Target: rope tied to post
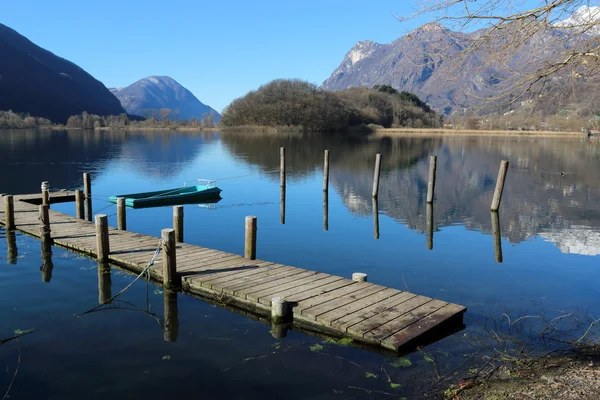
(45, 225)
(145, 271)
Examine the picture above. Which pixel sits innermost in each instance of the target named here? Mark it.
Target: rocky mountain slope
(35, 81)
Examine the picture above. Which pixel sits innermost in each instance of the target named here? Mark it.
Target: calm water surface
(550, 240)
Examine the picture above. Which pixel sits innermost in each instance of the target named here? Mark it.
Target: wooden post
(326, 210)
(102, 245)
(376, 176)
(121, 214)
(282, 167)
(280, 310)
(250, 238)
(79, 204)
(429, 223)
(431, 181)
(171, 278)
(87, 190)
(279, 331)
(375, 205)
(178, 223)
(326, 172)
(359, 277)
(499, 185)
(171, 309)
(9, 213)
(11, 247)
(104, 283)
(45, 193)
(497, 237)
(45, 233)
(47, 264)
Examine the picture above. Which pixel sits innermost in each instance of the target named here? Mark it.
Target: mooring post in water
(102, 245)
(279, 331)
(171, 278)
(9, 213)
(431, 181)
(499, 185)
(359, 277)
(375, 205)
(429, 224)
(280, 310)
(47, 265)
(282, 167)
(326, 210)
(326, 172)
(11, 247)
(250, 238)
(171, 327)
(79, 206)
(178, 223)
(282, 185)
(45, 234)
(376, 176)
(104, 283)
(497, 237)
(45, 193)
(121, 214)
(87, 190)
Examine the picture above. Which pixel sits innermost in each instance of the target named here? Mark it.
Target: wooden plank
(236, 285)
(322, 298)
(303, 295)
(190, 264)
(410, 317)
(213, 272)
(218, 281)
(386, 316)
(314, 311)
(398, 339)
(297, 278)
(212, 268)
(269, 293)
(340, 312)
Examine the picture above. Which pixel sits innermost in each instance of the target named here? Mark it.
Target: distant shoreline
(396, 132)
(367, 131)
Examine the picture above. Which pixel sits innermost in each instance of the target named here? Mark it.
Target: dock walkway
(366, 312)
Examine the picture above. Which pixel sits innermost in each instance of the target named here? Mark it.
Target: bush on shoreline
(295, 103)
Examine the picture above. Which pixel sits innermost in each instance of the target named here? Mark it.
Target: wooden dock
(369, 313)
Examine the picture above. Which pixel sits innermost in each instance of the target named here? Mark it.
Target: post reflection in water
(497, 237)
(47, 264)
(11, 247)
(375, 204)
(326, 210)
(104, 283)
(171, 324)
(429, 224)
(282, 206)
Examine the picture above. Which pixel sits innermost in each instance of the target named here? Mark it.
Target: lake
(547, 267)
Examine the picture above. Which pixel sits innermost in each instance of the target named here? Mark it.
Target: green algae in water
(316, 347)
(401, 363)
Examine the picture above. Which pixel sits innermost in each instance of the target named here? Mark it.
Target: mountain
(156, 92)
(35, 81)
(433, 62)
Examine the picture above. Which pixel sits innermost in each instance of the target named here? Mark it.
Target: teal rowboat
(183, 195)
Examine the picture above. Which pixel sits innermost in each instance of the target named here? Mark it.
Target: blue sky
(219, 49)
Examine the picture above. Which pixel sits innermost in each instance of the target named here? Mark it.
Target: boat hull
(186, 195)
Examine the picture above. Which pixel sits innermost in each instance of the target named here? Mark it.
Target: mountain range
(423, 62)
(157, 92)
(36, 81)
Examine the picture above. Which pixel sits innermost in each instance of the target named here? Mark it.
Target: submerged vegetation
(299, 104)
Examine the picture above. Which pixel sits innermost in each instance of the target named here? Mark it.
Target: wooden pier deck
(332, 305)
